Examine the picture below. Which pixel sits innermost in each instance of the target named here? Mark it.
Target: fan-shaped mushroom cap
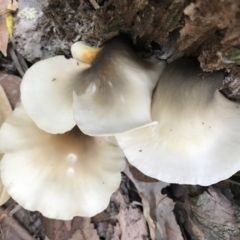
(5, 107)
(5, 110)
(119, 91)
(198, 136)
(62, 175)
(47, 92)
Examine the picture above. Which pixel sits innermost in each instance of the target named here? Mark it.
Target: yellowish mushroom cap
(198, 136)
(60, 175)
(82, 52)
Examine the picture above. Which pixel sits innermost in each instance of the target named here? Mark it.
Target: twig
(95, 4)
(16, 208)
(18, 229)
(5, 12)
(233, 182)
(7, 211)
(22, 232)
(15, 60)
(22, 61)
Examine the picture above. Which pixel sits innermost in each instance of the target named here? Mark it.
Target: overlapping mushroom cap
(61, 175)
(119, 92)
(112, 94)
(198, 136)
(108, 91)
(47, 92)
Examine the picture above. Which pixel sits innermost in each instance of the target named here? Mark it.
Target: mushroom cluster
(104, 91)
(65, 145)
(59, 156)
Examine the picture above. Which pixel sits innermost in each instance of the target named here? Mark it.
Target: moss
(114, 25)
(233, 54)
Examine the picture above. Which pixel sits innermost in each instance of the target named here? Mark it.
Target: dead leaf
(3, 37)
(11, 86)
(210, 214)
(113, 232)
(132, 224)
(58, 229)
(55, 229)
(4, 34)
(11, 229)
(122, 220)
(86, 231)
(158, 209)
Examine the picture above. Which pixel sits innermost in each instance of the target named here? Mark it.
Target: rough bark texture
(172, 28)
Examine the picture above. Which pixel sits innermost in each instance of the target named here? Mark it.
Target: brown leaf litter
(4, 35)
(158, 209)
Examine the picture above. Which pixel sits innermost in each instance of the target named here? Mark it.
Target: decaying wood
(201, 28)
(207, 30)
(207, 215)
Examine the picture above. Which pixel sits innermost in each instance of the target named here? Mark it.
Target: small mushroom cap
(198, 136)
(118, 91)
(5, 110)
(61, 175)
(47, 93)
(81, 51)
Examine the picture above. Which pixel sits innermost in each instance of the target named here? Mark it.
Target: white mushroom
(119, 91)
(47, 92)
(198, 136)
(5, 110)
(62, 175)
(111, 95)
